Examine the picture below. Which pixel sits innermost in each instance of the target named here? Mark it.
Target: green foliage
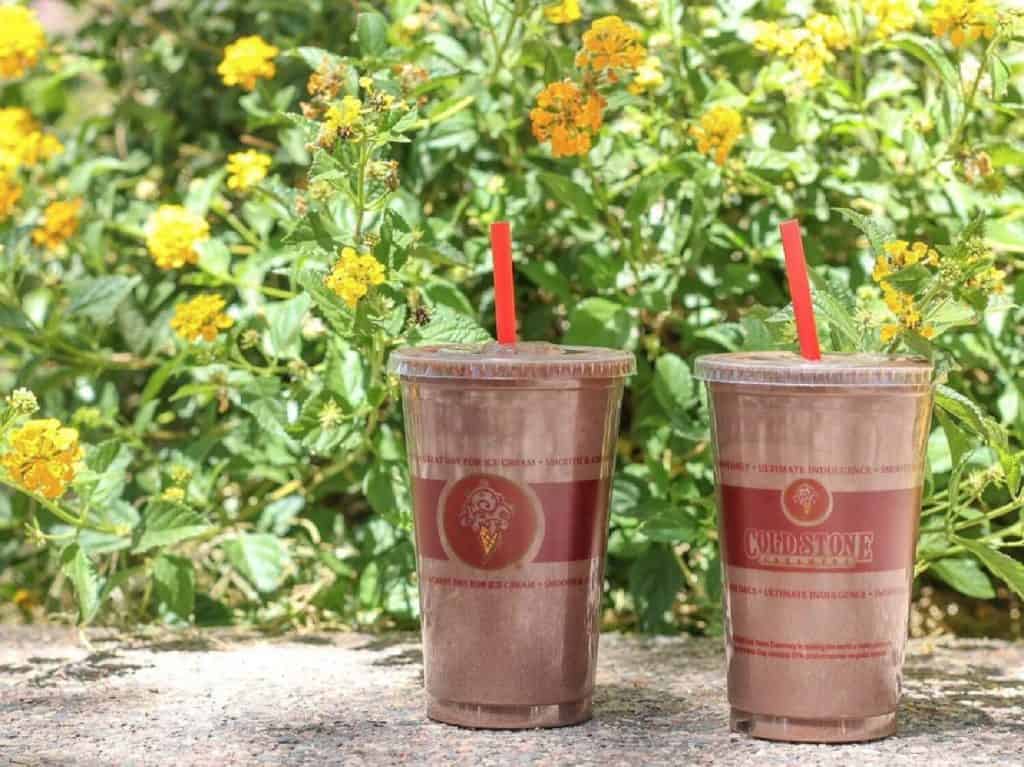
(256, 473)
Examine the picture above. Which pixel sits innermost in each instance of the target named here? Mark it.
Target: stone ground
(235, 699)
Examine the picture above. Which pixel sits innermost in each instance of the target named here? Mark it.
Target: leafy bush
(213, 239)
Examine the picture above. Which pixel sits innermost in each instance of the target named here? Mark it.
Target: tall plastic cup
(511, 455)
(819, 468)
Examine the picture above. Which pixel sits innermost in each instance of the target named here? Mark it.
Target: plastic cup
(511, 456)
(819, 468)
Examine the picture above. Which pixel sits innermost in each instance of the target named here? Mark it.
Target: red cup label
(491, 522)
(805, 527)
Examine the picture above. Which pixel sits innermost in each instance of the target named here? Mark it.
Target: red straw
(800, 289)
(504, 287)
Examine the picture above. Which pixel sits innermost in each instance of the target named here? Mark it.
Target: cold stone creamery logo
(490, 522)
(807, 503)
(488, 513)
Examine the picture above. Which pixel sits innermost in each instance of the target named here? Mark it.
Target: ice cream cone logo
(805, 495)
(488, 514)
(489, 521)
(806, 502)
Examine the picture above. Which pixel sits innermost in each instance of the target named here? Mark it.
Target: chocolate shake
(819, 468)
(511, 454)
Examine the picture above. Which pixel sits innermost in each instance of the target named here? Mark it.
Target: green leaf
(654, 581)
(165, 523)
(387, 491)
(79, 569)
(673, 384)
(910, 279)
(931, 54)
(285, 321)
(570, 193)
(830, 308)
(668, 522)
(1007, 569)
(965, 575)
(262, 558)
(876, 232)
(174, 586)
(372, 31)
(546, 275)
(447, 326)
(98, 297)
(959, 440)
(599, 322)
(333, 309)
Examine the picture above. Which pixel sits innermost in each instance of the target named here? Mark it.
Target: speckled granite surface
(229, 699)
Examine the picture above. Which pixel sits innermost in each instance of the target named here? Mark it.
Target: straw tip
(790, 223)
(500, 227)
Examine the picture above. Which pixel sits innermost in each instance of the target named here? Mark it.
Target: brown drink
(819, 467)
(511, 454)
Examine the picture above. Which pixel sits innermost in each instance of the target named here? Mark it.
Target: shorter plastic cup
(819, 469)
(511, 455)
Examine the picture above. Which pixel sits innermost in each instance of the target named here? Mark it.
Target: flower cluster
(899, 254)
(809, 48)
(246, 169)
(21, 40)
(569, 115)
(10, 193)
(611, 44)
(22, 141)
(976, 270)
(172, 233)
(247, 60)
(353, 275)
(201, 317)
(342, 120)
(42, 457)
(719, 129)
(964, 21)
(59, 224)
(891, 16)
(563, 12)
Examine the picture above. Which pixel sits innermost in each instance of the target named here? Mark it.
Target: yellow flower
(354, 274)
(247, 60)
(928, 332)
(563, 12)
(21, 40)
(829, 29)
(246, 169)
(21, 140)
(720, 127)
(60, 222)
(963, 20)
(900, 254)
(173, 494)
(889, 332)
(769, 37)
(810, 59)
(42, 456)
(10, 193)
(201, 317)
(341, 119)
(648, 76)
(172, 233)
(610, 44)
(891, 16)
(567, 117)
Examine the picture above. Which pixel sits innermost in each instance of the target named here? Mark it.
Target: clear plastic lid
(527, 359)
(790, 369)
